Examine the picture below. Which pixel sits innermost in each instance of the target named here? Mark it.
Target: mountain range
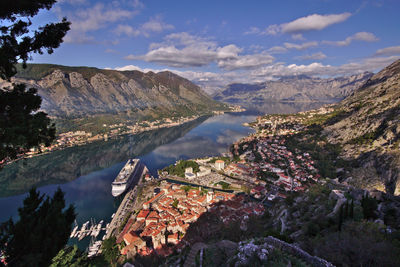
(299, 88)
(74, 92)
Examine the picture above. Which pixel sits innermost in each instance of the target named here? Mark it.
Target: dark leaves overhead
(21, 125)
(17, 41)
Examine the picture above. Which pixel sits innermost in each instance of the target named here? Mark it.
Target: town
(256, 171)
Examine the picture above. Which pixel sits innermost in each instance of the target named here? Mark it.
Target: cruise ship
(126, 176)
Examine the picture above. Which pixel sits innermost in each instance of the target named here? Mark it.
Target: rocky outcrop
(262, 247)
(294, 89)
(368, 128)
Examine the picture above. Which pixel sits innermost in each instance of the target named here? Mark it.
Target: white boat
(74, 232)
(125, 177)
(94, 248)
(97, 229)
(82, 232)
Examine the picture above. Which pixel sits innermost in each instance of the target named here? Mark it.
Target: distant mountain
(73, 92)
(367, 125)
(300, 88)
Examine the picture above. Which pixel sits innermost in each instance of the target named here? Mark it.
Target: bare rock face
(81, 91)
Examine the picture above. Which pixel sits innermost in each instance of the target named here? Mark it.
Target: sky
(215, 43)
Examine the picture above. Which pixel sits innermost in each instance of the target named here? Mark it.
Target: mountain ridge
(74, 92)
(367, 126)
(301, 88)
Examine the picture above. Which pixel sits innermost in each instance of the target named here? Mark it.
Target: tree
(42, 231)
(22, 127)
(70, 256)
(110, 250)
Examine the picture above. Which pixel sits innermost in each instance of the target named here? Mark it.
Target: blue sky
(215, 43)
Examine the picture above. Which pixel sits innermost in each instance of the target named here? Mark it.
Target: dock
(125, 207)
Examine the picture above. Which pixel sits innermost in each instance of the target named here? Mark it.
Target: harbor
(129, 179)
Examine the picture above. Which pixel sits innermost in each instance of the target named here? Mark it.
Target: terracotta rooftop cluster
(166, 217)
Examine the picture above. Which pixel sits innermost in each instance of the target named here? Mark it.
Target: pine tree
(43, 229)
(21, 126)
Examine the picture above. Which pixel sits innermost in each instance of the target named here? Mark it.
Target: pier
(125, 207)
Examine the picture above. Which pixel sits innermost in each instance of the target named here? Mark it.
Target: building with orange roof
(173, 238)
(142, 215)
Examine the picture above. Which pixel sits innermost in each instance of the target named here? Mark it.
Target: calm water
(85, 173)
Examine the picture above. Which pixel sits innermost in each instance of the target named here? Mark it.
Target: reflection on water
(66, 165)
(85, 173)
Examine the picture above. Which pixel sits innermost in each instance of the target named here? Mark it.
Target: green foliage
(329, 118)
(110, 250)
(224, 185)
(179, 168)
(175, 203)
(42, 231)
(70, 256)
(18, 39)
(22, 128)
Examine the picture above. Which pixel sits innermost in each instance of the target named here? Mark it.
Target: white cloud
(388, 51)
(126, 30)
(315, 56)
(277, 50)
(298, 37)
(137, 4)
(210, 81)
(302, 46)
(154, 25)
(253, 30)
(72, 2)
(313, 22)
(272, 29)
(92, 19)
(246, 61)
(359, 36)
(185, 50)
(111, 51)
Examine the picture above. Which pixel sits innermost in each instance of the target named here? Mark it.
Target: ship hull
(126, 177)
